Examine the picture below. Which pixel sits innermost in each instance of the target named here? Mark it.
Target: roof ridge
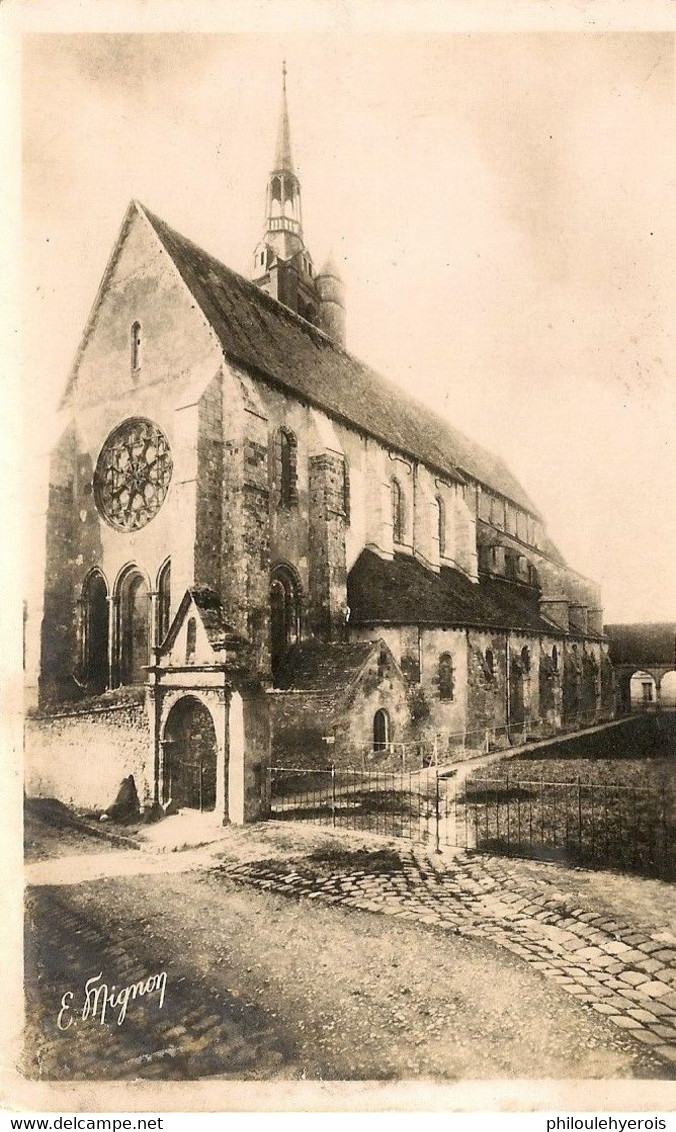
(274, 303)
(363, 398)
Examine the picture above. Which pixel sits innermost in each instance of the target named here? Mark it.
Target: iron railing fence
(593, 825)
(590, 824)
(393, 803)
(446, 747)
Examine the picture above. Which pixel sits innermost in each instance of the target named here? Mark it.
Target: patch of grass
(595, 813)
(357, 860)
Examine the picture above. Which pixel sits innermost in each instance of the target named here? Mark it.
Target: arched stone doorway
(284, 615)
(190, 754)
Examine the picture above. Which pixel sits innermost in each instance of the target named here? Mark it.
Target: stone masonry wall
(209, 516)
(81, 757)
(327, 570)
(179, 360)
(486, 699)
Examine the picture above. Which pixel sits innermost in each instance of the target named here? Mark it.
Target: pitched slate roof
(317, 667)
(268, 339)
(643, 644)
(404, 592)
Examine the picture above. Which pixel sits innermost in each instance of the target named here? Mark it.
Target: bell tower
(283, 266)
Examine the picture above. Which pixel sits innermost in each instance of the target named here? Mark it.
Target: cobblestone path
(624, 973)
(196, 1033)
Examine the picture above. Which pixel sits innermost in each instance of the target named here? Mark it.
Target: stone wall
(181, 363)
(486, 698)
(81, 756)
(327, 571)
(209, 518)
(299, 723)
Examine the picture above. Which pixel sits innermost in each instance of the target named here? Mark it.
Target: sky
(500, 206)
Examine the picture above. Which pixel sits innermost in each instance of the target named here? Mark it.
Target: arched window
(555, 659)
(381, 730)
(497, 512)
(441, 525)
(445, 676)
(135, 347)
(287, 471)
(95, 632)
(190, 640)
(284, 615)
(490, 662)
(525, 659)
(397, 512)
(134, 628)
(163, 602)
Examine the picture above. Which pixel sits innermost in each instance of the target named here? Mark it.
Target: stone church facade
(258, 548)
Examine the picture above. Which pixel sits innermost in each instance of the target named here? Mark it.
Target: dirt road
(259, 985)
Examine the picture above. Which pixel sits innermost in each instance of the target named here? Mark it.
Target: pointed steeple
(283, 158)
(283, 219)
(283, 266)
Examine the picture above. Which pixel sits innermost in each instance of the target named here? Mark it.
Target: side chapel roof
(402, 591)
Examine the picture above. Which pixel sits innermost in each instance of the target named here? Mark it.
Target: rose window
(132, 474)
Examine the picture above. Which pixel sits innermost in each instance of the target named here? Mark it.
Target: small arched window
(381, 730)
(490, 662)
(190, 641)
(525, 658)
(445, 676)
(135, 345)
(441, 525)
(397, 512)
(555, 659)
(288, 477)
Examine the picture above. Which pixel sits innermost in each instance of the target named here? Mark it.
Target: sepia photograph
(349, 616)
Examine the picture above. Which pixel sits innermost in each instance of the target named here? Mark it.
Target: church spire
(283, 219)
(283, 158)
(283, 266)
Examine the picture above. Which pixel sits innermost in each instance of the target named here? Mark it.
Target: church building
(258, 550)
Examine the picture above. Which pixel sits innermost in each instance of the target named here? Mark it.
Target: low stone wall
(81, 755)
(299, 722)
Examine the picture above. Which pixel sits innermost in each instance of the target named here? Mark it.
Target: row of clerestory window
(399, 517)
